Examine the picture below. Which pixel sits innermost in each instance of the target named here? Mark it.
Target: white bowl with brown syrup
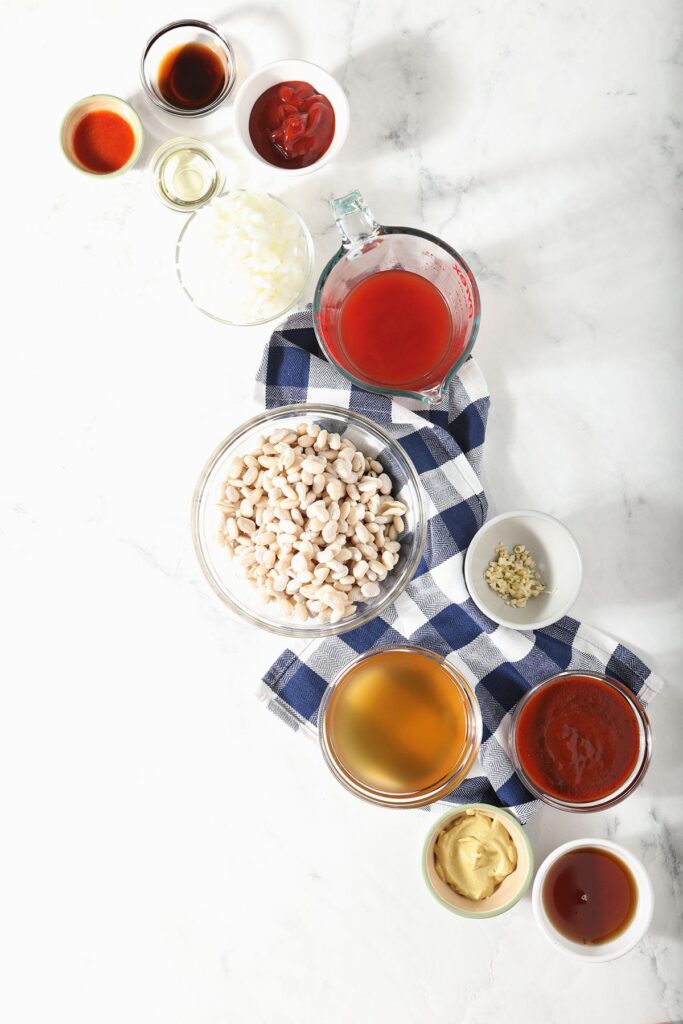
(593, 899)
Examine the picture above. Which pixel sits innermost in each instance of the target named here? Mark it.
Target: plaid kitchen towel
(445, 443)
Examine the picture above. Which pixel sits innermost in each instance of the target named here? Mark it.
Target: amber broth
(397, 722)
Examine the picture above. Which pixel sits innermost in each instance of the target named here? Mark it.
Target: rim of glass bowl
(230, 83)
(424, 796)
(627, 787)
(246, 323)
(476, 320)
(315, 630)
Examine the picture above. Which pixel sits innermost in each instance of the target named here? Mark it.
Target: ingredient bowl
(510, 890)
(170, 39)
(400, 726)
(635, 929)
(186, 173)
(91, 105)
(244, 258)
(291, 71)
(591, 731)
(222, 573)
(557, 558)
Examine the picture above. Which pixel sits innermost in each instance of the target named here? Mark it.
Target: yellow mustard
(474, 854)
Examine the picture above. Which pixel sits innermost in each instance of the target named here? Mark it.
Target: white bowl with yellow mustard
(477, 861)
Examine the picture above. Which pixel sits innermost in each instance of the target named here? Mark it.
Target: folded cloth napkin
(445, 442)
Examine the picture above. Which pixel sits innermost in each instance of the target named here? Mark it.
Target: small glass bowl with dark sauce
(580, 741)
(188, 68)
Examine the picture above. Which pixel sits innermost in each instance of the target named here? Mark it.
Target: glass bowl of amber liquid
(400, 727)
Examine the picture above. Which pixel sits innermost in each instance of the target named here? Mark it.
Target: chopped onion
(244, 258)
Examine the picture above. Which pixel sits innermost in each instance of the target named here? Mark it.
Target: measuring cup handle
(354, 220)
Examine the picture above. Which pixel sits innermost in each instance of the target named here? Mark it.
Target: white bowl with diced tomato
(282, 72)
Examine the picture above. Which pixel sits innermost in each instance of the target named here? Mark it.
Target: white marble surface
(170, 851)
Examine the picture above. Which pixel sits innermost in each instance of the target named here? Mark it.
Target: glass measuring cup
(431, 290)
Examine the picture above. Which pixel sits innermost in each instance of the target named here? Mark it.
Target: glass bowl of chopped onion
(319, 535)
(523, 569)
(245, 258)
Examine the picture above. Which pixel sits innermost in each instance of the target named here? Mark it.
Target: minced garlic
(513, 575)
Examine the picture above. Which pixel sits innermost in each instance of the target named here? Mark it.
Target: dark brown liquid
(590, 895)
(191, 76)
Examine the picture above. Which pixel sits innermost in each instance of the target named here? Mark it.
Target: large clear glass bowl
(439, 788)
(222, 573)
(292, 300)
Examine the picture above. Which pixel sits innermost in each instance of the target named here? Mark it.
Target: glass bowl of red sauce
(580, 741)
(102, 135)
(291, 116)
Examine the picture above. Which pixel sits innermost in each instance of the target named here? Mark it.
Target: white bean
(311, 522)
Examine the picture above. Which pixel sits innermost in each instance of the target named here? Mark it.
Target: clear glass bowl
(413, 798)
(188, 226)
(617, 795)
(179, 33)
(221, 572)
(208, 165)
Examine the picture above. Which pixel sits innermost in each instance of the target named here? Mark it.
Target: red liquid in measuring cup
(395, 329)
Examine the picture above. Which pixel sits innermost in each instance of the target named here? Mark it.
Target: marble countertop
(171, 852)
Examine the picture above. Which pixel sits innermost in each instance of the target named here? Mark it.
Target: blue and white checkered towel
(435, 611)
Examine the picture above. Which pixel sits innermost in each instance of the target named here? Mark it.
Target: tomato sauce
(577, 739)
(291, 125)
(395, 329)
(103, 141)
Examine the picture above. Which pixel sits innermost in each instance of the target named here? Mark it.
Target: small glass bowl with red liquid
(396, 309)
(580, 741)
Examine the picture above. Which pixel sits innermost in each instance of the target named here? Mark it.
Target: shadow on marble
(396, 89)
(646, 570)
(160, 126)
(155, 131)
(226, 19)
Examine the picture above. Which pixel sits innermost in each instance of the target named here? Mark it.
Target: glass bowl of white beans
(308, 520)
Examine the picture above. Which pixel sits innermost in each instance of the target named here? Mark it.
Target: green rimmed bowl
(510, 890)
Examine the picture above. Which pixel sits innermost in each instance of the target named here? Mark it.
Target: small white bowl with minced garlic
(523, 569)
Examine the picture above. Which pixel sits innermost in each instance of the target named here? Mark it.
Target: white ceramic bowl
(291, 71)
(510, 890)
(598, 954)
(100, 101)
(557, 557)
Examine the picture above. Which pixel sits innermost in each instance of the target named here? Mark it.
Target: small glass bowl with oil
(400, 727)
(186, 174)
